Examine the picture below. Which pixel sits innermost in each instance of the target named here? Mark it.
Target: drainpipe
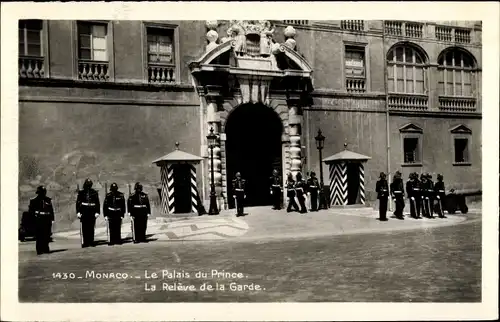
(388, 128)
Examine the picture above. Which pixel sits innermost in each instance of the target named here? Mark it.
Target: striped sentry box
(338, 183)
(170, 189)
(194, 190)
(362, 183)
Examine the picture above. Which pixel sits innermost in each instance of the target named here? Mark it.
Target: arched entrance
(253, 148)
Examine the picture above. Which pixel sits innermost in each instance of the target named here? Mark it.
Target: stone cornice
(102, 100)
(324, 92)
(117, 85)
(442, 114)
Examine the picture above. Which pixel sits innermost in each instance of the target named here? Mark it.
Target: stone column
(295, 133)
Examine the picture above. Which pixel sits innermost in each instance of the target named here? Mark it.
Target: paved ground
(361, 259)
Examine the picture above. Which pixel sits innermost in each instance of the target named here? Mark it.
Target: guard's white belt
(116, 209)
(238, 189)
(88, 204)
(441, 190)
(313, 186)
(384, 190)
(42, 212)
(276, 185)
(416, 189)
(299, 189)
(139, 206)
(398, 191)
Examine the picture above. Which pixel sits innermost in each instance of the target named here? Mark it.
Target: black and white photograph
(166, 158)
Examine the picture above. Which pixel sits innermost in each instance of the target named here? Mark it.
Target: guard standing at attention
(114, 211)
(239, 193)
(300, 187)
(88, 209)
(413, 191)
(139, 211)
(313, 188)
(276, 190)
(290, 194)
(424, 188)
(430, 193)
(440, 194)
(382, 190)
(398, 194)
(40, 208)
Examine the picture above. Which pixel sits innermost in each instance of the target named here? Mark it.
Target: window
(461, 135)
(411, 137)
(161, 50)
(30, 38)
(410, 146)
(355, 69)
(456, 74)
(92, 44)
(160, 45)
(461, 150)
(406, 70)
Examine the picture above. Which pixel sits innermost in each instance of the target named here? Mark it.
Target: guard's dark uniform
(276, 191)
(114, 211)
(139, 210)
(290, 194)
(430, 194)
(239, 194)
(414, 195)
(88, 209)
(440, 193)
(398, 194)
(313, 188)
(424, 188)
(40, 208)
(382, 190)
(300, 188)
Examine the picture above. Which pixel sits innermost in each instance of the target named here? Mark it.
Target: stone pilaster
(295, 134)
(213, 121)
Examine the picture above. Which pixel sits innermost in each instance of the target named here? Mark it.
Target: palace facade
(104, 99)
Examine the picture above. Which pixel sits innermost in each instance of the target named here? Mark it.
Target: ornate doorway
(253, 148)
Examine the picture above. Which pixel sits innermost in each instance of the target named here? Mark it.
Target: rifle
(107, 221)
(80, 219)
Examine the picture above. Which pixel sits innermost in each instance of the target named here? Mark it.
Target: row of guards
(179, 192)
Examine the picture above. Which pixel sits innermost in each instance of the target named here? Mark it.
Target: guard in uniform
(439, 192)
(382, 190)
(313, 188)
(88, 209)
(290, 194)
(114, 211)
(430, 193)
(276, 190)
(300, 188)
(239, 193)
(139, 211)
(424, 188)
(398, 194)
(413, 191)
(40, 208)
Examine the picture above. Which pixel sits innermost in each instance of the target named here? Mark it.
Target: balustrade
(462, 36)
(296, 22)
(393, 28)
(93, 70)
(412, 102)
(31, 67)
(444, 33)
(413, 30)
(457, 103)
(356, 25)
(355, 85)
(161, 73)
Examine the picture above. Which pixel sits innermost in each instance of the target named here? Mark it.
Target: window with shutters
(355, 69)
(161, 66)
(32, 49)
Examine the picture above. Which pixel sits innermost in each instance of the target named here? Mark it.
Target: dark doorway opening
(352, 183)
(182, 188)
(253, 148)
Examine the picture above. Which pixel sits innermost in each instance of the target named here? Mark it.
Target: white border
(487, 12)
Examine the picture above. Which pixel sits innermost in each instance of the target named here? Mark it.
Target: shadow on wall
(63, 180)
